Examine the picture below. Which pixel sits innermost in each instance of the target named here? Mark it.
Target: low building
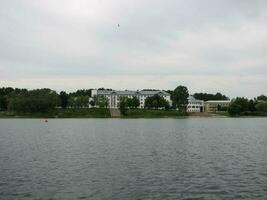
(114, 96)
(195, 105)
(216, 105)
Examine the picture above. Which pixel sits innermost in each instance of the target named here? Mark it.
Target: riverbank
(145, 113)
(131, 113)
(62, 113)
(95, 113)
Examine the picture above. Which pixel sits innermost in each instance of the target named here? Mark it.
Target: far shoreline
(141, 117)
(105, 113)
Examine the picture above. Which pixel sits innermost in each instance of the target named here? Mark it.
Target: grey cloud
(155, 38)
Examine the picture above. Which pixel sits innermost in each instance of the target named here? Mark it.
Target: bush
(234, 109)
(241, 106)
(156, 102)
(262, 106)
(40, 100)
(123, 105)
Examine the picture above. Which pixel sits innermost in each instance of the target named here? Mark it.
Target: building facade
(114, 96)
(195, 105)
(216, 105)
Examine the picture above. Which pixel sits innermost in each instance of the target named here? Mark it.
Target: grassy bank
(145, 113)
(105, 113)
(62, 113)
(245, 114)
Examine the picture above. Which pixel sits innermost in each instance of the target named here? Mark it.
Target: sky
(208, 45)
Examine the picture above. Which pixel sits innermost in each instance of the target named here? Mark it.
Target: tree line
(23, 100)
(243, 106)
(207, 96)
(40, 100)
(43, 100)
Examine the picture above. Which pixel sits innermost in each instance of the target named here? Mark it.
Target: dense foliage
(262, 107)
(78, 102)
(126, 103)
(64, 97)
(180, 98)
(262, 98)
(40, 100)
(156, 102)
(100, 101)
(243, 106)
(207, 96)
(6, 94)
(132, 102)
(123, 105)
(83, 92)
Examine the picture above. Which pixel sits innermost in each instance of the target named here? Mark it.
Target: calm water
(133, 159)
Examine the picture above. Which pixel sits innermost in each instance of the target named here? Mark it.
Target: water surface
(196, 158)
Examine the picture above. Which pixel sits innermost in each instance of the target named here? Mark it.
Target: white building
(195, 105)
(216, 105)
(114, 96)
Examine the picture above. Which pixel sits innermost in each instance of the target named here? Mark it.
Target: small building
(114, 96)
(195, 105)
(216, 105)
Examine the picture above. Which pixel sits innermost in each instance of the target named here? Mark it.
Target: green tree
(252, 105)
(207, 96)
(40, 100)
(71, 102)
(123, 105)
(243, 103)
(92, 103)
(131, 102)
(241, 106)
(234, 109)
(6, 94)
(135, 102)
(128, 102)
(63, 99)
(82, 92)
(3, 102)
(167, 105)
(156, 102)
(101, 101)
(262, 107)
(262, 98)
(180, 98)
(82, 101)
(148, 102)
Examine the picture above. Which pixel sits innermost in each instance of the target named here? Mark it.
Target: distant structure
(114, 96)
(195, 105)
(216, 105)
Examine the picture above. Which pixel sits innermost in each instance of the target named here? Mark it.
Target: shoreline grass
(105, 113)
(62, 113)
(149, 113)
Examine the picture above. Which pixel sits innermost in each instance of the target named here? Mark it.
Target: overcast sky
(207, 45)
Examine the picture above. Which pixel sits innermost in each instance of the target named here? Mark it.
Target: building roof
(129, 92)
(192, 99)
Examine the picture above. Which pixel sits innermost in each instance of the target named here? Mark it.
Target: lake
(192, 158)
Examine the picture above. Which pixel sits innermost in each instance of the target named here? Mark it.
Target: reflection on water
(133, 159)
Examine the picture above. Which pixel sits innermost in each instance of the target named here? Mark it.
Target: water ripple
(133, 159)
